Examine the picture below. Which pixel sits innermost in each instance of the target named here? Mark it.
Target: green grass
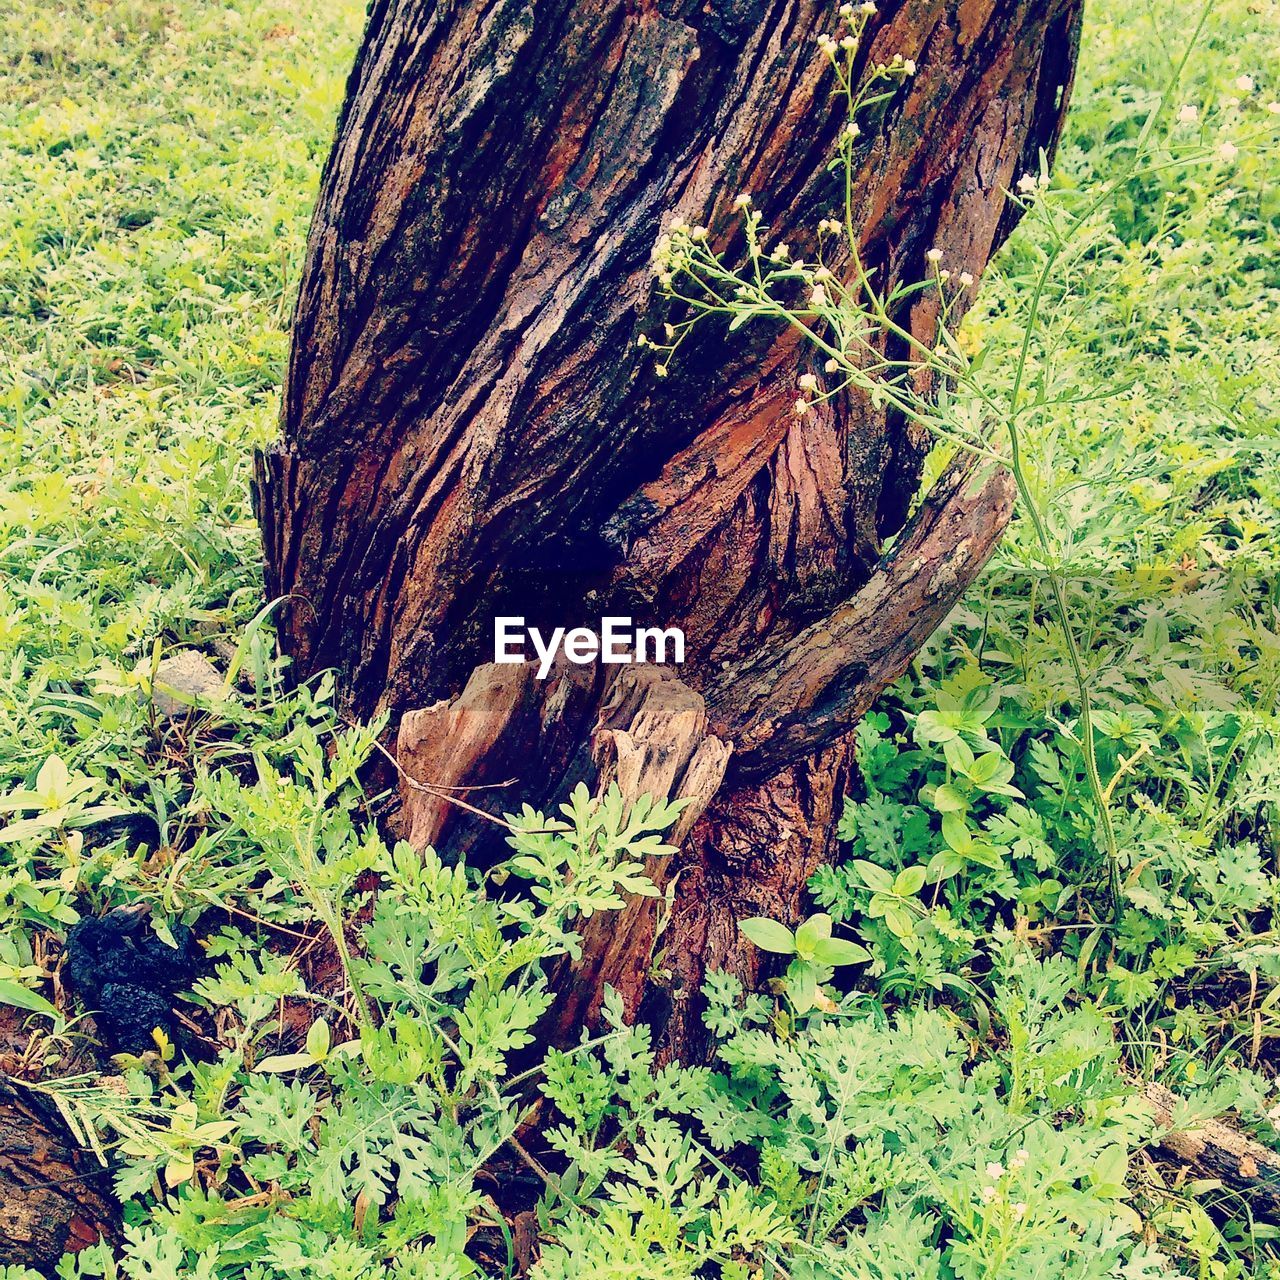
(157, 168)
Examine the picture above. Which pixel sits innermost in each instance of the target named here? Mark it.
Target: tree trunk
(54, 1196)
(470, 429)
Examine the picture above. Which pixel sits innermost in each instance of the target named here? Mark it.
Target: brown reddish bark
(54, 1196)
(471, 430)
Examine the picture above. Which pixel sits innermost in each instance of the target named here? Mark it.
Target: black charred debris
(128, 976)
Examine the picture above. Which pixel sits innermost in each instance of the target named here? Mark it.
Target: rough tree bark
(470, 429)
(1218, 1150)
(54, 1196)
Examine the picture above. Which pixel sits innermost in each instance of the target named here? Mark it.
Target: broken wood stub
(1217, 1150)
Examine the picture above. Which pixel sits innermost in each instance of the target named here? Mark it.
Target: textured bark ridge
(54, 1196)
(471, 430)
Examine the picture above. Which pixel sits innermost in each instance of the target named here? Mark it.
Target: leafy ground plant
(834, 1143)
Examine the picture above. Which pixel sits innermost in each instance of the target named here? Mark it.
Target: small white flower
(1188, 113)
(867, 8)
(818, 298)
(660, 370)
(1019, 1210)
(966, 279)
(1020, 1158)
(679, 227)
(846, 10)
(826, 43)
(909, 66)
(742, 201)
(782, 253)
(800, 408)
(851, 132)
(1027, 184)
(847, 43)
(698, 233)
(669, 330)
(995, 1170)
(644, 341)
(829, 226)
(808, 382)
(1274, 108)
(1245, 84)
(1228, 151)
(988, 1194)
(832, 365)
(944, 275)
(934, 256)
(822, 275)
